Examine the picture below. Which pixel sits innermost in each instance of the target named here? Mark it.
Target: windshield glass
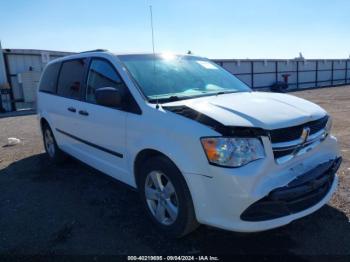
(164, 77)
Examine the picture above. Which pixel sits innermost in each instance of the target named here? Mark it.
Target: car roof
(103, 52)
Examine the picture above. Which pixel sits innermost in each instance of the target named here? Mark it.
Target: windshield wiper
(225, 92)
(178, 98)
(166, 99)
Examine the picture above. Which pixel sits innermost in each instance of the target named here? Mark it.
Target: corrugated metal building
(20, 71)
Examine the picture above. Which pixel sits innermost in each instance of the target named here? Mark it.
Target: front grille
(287, 142)
(302, 193)
(294, 133)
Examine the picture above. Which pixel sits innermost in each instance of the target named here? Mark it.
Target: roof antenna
(151, 13)
(154, 54)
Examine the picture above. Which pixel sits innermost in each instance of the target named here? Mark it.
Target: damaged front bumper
(303, 192)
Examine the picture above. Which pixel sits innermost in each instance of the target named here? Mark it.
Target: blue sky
(216, 29)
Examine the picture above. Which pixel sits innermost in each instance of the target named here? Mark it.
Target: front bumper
(302, 193)
(222, 195)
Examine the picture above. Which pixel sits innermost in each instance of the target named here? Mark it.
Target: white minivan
(198, 144)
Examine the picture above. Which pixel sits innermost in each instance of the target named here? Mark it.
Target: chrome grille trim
(296, 148)
(302, 151)
(297, 142)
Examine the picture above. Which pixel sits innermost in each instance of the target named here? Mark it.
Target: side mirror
(109, 96)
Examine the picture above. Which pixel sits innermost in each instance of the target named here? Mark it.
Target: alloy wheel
(161, 198)
(49, 143)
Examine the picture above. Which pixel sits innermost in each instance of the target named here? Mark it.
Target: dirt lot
(73, 209)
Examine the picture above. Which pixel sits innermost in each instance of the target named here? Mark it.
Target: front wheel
(166, 197)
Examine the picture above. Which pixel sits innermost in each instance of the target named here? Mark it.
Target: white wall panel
(287, 65)
(237, 67)
(245, 78)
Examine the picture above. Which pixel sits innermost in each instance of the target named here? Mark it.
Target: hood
(255, 109)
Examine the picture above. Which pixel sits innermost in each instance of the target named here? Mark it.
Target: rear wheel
(166, 197)
(55, 154)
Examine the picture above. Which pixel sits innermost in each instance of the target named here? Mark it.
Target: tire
(55, 154)
(161, 204)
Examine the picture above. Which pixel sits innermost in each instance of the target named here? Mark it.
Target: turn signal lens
(210, 147)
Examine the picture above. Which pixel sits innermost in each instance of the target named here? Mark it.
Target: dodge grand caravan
(198, 144)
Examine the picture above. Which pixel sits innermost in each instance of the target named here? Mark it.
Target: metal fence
(296, 73)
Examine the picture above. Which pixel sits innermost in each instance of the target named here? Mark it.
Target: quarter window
(71, 78)
(49, 79)
(101, 74)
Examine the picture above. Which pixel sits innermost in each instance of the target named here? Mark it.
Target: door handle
(72, 109)
(83, 112)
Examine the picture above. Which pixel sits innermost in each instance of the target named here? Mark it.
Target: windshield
(167, 77)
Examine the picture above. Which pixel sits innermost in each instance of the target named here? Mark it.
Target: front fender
(174, 136)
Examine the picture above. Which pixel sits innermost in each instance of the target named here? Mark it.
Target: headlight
(232, 152)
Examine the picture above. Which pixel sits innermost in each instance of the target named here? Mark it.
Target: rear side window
(101, 74)
(71, 79)
(49, 79)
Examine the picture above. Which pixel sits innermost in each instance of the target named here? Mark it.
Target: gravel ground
(74, 210)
